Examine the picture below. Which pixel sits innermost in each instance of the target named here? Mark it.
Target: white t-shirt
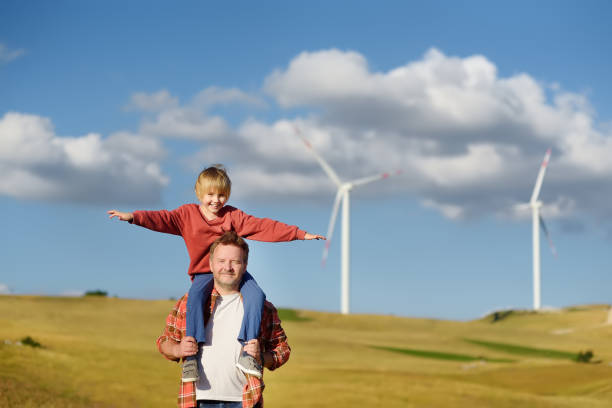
(220, 379)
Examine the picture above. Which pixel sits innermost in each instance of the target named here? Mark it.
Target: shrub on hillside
(96, 292)
(500, 315)
(29, 341)
(584, 356)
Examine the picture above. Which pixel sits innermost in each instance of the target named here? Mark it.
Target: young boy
(200, 225)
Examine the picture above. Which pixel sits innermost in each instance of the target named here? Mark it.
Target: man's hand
(308, 236)
(187, 347)
(175, 351)
(123, 216)
(252, 348)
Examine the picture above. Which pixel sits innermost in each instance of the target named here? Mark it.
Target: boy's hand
(308, 236)
(123, 216)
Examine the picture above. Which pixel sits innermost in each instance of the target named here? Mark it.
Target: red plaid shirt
(272, 338)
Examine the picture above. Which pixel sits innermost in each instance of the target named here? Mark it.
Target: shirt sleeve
(169, 222)
(264, 229)
(175, 323)
(275, 339)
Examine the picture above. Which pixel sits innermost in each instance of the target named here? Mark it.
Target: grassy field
(100, 352)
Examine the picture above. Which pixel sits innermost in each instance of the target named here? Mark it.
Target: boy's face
(213, 201)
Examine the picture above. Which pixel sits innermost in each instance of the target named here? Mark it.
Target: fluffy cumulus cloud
(7, 55)
(193, 120)
(35, 163)
(469, 142)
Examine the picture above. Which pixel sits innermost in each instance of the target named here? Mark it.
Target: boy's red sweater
(199, 233)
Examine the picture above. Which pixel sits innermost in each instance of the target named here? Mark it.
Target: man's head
(229, 255)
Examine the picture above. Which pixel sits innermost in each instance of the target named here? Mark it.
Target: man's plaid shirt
(272, 338)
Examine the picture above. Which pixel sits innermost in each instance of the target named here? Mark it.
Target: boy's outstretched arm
(123, 216)
(308, 236)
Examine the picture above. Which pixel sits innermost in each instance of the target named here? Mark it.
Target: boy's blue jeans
(252, 298)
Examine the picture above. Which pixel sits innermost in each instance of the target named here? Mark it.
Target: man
(220, 383)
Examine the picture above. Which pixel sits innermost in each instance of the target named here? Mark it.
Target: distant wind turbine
(342, 195)
(537, 223)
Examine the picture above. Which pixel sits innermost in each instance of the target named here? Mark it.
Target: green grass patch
(438, 355)
(290, 315)
(524, 350)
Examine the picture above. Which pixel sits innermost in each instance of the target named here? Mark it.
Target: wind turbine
(537, 223)
(342, 195)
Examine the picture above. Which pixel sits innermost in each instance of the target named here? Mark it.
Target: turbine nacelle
(536, 204)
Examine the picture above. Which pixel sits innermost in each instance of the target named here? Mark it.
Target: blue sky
(120, 104)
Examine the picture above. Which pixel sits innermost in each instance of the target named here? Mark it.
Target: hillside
(101, 352)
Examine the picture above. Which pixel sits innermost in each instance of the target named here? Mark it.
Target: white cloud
(7, 55)
(314, 78)
(4, 289)
(153, 102)
(186, 123)
(451, 211)
(214, 96)
(192, 121)
(469, 142)
(35, 163)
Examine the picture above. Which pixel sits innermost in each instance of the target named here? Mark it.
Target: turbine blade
(370, 179)
(538, 184)
(326, 167)
(332, 223)
(550, 243)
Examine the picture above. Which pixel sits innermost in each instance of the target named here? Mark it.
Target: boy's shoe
(190, 370)
(248, 365)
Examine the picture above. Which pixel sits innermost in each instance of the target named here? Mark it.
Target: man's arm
(266, 358)
(276, 350)
(175, 351)
(170, 344)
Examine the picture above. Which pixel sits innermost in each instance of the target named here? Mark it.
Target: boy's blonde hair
(215, 179)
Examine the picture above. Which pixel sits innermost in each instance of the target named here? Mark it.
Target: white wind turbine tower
(343, 194)
(537, 223)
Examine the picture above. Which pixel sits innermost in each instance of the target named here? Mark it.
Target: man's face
(228, 266)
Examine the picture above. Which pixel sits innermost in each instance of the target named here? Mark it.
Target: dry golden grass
(100, 352)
